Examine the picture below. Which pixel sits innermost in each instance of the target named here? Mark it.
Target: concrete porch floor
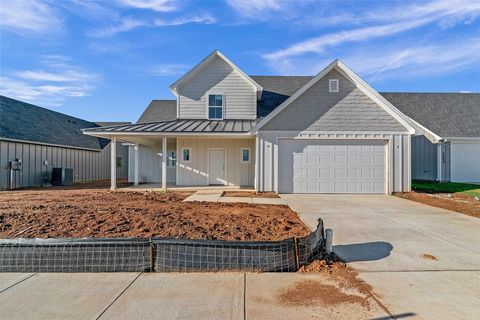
(174, 187)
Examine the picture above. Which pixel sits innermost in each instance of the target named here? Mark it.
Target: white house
(331, 133)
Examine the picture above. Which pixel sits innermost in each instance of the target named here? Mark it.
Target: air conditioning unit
(62, 176)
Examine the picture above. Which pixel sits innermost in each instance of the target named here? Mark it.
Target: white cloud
(256, 8)
(155, 5)
(169, 69)
(51, 87)
(29, 16)
(127, 24)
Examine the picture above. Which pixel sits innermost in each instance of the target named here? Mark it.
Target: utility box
(62, 176)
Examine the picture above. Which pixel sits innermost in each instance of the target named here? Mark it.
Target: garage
(465, 162)
(331, 166)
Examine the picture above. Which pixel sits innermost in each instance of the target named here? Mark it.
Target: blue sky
(106, 60)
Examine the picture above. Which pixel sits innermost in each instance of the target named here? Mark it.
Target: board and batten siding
(87, 165)
(150, 162)
(217, 78)
(397, 155)
(196, 171)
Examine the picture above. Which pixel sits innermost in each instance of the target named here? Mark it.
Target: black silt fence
(159, 254)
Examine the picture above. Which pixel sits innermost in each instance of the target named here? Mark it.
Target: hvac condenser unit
(62, 176)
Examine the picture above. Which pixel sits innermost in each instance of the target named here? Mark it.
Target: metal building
(33, 140)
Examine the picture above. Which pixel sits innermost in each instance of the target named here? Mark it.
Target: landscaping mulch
(58, 213)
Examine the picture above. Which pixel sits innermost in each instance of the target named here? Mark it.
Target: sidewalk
(167, 296)
(216, 196)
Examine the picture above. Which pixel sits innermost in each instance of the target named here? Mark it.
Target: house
(331, 133)
(33, 140)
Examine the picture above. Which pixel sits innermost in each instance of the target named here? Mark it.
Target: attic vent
(333, 85)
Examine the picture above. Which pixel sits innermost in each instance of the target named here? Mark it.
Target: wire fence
(159, 254)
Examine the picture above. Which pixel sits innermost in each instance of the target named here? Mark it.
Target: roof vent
(333, 85)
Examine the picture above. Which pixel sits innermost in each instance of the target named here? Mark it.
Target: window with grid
(215, 106)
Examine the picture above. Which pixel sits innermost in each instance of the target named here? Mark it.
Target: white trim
(113, 164)
(213, 93)
(164, 163)
(332, 81)
(225, 182)
(463, 139)
(362, 85)
(258, 88)
(189, 155)
(135, 164)
(257, 163)
(249, 155)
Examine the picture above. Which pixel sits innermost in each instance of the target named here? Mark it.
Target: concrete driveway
(423, 262)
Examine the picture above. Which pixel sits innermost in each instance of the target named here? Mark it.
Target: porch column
(113, 164)
(164, 164)
(136, 165)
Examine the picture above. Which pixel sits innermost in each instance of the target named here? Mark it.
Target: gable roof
(362, 85)
(111, 123)
(444, 114)
(26, 122)
(159, 110)
(199, 67)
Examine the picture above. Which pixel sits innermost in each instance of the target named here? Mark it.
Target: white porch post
(164, 164)
(136, 165)
(113, 164)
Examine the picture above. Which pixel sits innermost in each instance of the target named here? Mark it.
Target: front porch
(147, 187)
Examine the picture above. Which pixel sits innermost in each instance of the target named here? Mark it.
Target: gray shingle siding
(320, 110)
(159, 110)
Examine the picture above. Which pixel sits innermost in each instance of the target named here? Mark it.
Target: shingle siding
(320, 110)
(218, 77)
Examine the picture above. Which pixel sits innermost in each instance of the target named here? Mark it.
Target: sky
(106, 60)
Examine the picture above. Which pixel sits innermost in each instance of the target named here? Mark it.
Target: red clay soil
(100, 213)
(454, 202)
(250, 194)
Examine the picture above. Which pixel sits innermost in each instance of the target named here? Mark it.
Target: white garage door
(465, 162)
(331, 166)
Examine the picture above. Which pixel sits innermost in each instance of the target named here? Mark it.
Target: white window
(215, 106)
(172, 159)
(245, 155)
(186, 154)
(333, 85)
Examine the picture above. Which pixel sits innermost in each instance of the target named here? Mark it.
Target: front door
(216, 166)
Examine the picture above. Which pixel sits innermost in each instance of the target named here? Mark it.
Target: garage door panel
(465, 159)
(329, 166)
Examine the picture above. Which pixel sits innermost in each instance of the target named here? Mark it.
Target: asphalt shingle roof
(24, 121)
(159, 110)
(445, 114)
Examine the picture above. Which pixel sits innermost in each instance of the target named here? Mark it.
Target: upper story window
(215, 106)
(333, 85)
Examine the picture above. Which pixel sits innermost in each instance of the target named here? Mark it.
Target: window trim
(332, 81)
(249, 155)
(213, 93)
(170, 159)
(189, 155)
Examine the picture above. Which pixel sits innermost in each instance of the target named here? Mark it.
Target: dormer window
(333, 85)
(215, 106)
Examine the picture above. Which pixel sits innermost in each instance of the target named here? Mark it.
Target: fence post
(295, 247)
(152, 258)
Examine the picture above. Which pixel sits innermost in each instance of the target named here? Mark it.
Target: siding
(150, 163)
(217, 77)
(87, 165)
(320, 110)
(196, 171)
(424, 159)
(398, 154)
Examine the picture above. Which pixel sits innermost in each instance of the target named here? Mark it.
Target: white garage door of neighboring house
(465, 162)
(331, 166)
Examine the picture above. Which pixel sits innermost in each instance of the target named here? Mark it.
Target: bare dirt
(429, 257)
(450, 201)
(250, 194)
(70, 212)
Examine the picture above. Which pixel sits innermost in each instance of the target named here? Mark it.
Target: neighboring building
(33, 140)
(331, 133)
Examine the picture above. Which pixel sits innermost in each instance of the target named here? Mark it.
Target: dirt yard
(250, 194)
(74, 212)
(451, 201)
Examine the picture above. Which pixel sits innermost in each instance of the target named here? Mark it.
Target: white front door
(216, 166)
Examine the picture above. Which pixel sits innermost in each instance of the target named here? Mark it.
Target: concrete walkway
(216, 196)
(209, 296)
(423, 262)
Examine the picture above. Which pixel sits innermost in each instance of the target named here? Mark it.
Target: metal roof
(181, 126)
